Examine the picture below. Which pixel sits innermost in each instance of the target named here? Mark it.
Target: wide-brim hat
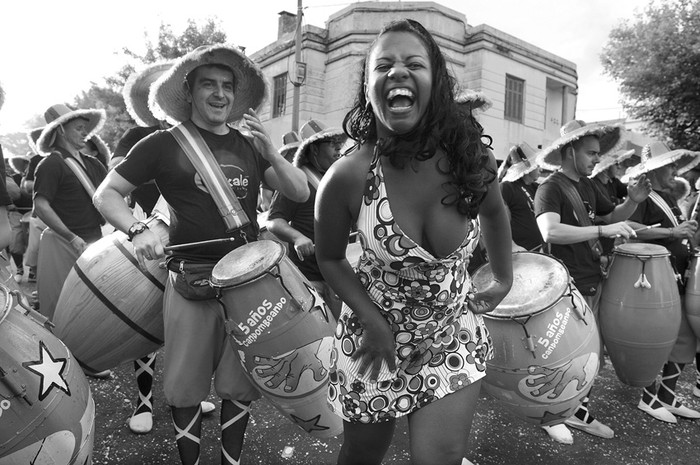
(136, 90)
(475, 100)
(522, 159)
(18, 162)
(32, 137)
(610, 159)
(291, 141)
(61, 113)
(169, 93)
(311, 132)
(609, 136)
(657, 154)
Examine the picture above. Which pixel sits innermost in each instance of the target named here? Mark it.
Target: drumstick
(643, 228)
(169, 248)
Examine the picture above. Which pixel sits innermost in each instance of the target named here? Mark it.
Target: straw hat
(609, 159)
(19, 163)
(608, 135)
(657, 154)
(61, 113)
(169, 92)
(522, 159)
(135, 93)
(311, 132)
(291, 141)
(474, 99)
(32, 137)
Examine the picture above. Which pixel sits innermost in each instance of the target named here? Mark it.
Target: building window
(279, 96)
(515, 95)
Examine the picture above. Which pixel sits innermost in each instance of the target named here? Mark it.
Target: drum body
(545, 339)
(640, 312)
(282, 330)
(110, 310)
(692, 293)
(47, 414)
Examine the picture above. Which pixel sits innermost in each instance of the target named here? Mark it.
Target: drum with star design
(47, 414)
(282, 331)
(545, 341)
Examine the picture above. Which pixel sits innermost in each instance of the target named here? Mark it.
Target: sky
(52, 50)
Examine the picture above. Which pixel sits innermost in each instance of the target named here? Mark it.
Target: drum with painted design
(47, 414)
(282, 331)
(110, 310)
(545, 339)
(640, 311)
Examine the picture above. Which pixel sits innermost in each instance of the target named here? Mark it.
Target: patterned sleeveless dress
(441, 346)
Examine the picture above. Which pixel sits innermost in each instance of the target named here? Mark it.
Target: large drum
(640, 311)
(282, 331)
(111, 310)
(545, 338)
(692, 293)
(47, 414)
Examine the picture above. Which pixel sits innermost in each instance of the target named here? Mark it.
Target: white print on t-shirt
(236, 177)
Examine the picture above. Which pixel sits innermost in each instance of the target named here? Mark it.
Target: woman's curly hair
(445, 126)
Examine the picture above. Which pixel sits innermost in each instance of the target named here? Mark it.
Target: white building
(533, 91)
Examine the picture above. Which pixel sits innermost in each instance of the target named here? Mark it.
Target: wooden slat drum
(640, 311)
(47, 414)
(282, 330)
(545, 338)
(110, 310)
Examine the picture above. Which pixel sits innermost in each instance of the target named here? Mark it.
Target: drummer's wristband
(600, 231)
(670, 232)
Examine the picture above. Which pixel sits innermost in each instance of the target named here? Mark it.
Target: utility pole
(298, 70)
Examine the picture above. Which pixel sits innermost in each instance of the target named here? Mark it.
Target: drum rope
(575, 307)
(643, 281)
(529, 340)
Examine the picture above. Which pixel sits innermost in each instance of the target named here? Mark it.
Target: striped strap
(661, 203)
(80, 173)
(199, 154)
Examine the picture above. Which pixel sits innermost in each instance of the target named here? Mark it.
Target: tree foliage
(108, 94)
(655, 59)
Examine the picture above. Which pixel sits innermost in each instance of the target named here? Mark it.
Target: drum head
(538, 282)
(641, 248)
(246, 263)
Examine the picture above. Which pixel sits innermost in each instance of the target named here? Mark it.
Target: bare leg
(439, 432)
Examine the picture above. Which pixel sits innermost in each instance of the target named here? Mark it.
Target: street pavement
(498, 437)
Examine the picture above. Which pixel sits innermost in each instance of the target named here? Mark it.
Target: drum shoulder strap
(80, 173)
(204, 162)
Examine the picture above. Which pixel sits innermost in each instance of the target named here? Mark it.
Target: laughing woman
(420, 185)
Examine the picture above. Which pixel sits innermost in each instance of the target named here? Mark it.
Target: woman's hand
(486, 300)
(377, 345)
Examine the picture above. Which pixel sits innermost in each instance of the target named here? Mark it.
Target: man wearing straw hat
(566, 205)
(677, 234)
(293, 222)
(36, 226)
(216, 165)
(135, 93)
(518, 187)
(5, 229)
(63, 188)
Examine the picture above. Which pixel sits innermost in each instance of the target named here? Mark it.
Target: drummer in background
(291, 141)
(576, 153)
(36, 226)
(5, 230)
(518, 187)
(293, 222)
(135, 93)
(606, 177)
(678, 235)
(63, 196)
(207, 88)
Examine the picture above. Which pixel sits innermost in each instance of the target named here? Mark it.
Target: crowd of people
(411, 175)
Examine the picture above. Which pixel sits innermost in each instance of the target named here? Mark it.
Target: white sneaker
(659, 413)
(559, 433)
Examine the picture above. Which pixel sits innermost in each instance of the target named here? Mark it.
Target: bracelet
(76, 237)
(670, 232)
(600, 231)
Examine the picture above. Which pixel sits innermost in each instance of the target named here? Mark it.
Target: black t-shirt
(194, 215)
(301, 217)
(56, 182)
(519, 198)
(146, 195)
(649, 213)
(577, 257)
